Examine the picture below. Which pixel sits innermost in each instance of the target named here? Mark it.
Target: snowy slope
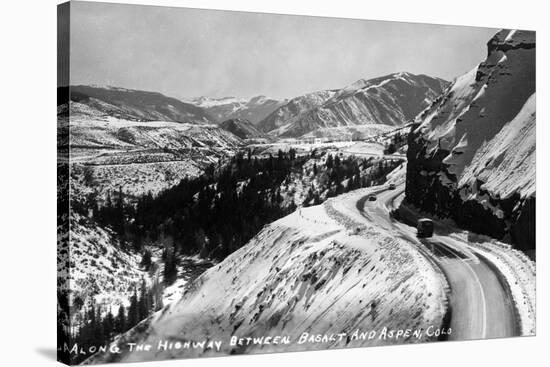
(506, 163)
(89, 128)
(477, 106)
(356, 132)
(294, 108)
(308, 272)
(137, 105)
(244, 129)
(109, 153)
(93, 266)
(389, 100)
(476, 144)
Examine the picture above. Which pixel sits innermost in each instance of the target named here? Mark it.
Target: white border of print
(28, 152)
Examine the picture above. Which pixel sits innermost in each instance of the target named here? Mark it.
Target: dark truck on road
(424, 228)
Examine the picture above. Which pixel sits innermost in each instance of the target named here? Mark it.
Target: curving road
(481, 306)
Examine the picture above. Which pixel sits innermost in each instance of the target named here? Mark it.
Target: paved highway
(481, 307)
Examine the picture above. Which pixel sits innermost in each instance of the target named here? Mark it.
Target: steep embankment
(389, 100)
(316, 271)
(472, 153)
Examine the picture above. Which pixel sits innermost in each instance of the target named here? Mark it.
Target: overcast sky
(186, 52)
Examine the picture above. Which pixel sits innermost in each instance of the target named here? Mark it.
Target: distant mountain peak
(207, 102)
(225, 108)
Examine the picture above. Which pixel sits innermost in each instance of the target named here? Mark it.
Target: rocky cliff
(471, 154)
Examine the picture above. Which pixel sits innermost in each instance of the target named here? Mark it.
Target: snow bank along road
(480, 301)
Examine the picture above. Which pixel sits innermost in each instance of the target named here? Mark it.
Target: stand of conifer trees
(211, 215)
(99, 327)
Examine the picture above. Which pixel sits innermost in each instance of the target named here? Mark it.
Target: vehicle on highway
(372, 197)
(424, 228)
(355, 230)
(392, 187)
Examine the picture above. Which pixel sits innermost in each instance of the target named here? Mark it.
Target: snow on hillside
(92, 131)
(188, 269)
(243, 129)
(206, 102)
(390, 100)
(471, 155)
(292, 109)
(358, 132)
(93, 266)
(479, 105)
(136, 105)
(506, 164)
(135, 179)
(365, 149)
(109, 153)
(311, 271)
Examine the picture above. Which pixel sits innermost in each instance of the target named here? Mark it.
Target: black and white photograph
(241, 183)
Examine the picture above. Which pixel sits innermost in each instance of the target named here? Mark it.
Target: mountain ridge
(254, 109)
(242, 128)
(134, 105)
(392, 99)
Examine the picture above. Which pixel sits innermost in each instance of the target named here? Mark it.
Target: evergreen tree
(143, 304)
(292, 207)
(170, 267)
(329, 162)
(133, 312)
(146, 260)
(109, 324)
(119, 212)
(120, 322)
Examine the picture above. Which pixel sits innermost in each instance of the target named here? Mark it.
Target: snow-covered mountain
(253, 110)
(389, 100)
(294, 108)
(472, 152)
(136, 105)
(244, 129)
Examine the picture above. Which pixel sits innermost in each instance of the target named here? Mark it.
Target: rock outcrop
(471, 154)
